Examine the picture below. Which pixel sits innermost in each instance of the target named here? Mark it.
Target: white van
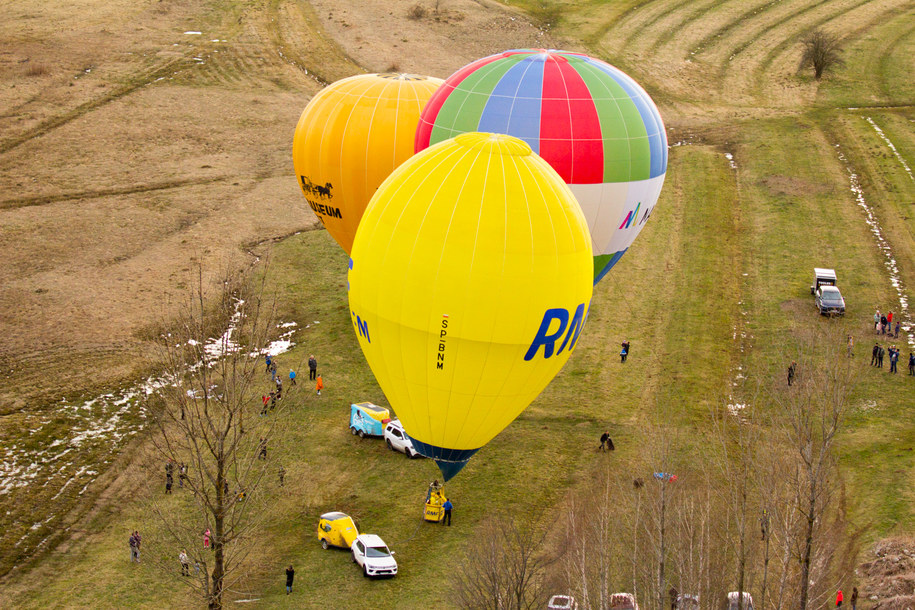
(397, 440)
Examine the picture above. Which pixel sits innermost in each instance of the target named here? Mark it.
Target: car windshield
(832, 297)
(377, 551)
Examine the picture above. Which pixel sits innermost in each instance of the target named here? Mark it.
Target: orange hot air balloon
(350, 137)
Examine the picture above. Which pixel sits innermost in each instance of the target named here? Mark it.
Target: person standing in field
(894, 358)
(134, 543)
(185, 564)
(290, 574)
(896, 331)
(851, 345)
(206, 538)
(889, 322)
(839, 598)
(447, 506)
(603, 440)
(169, 469)
(792, 371)
(854, 597)
(876, 320)
(319, 385)
(882, 325)
(874, 354)
(291, 378)
(880, 353)
(312, 368)
(912, 363)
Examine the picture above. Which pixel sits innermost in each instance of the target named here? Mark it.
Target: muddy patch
(889, 574)
(788, 186)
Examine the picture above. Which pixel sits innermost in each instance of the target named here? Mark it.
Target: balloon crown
(402, 76)
(497, 142)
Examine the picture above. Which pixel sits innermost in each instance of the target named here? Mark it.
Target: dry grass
(34, 69)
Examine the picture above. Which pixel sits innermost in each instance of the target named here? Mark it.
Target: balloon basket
(435, 499)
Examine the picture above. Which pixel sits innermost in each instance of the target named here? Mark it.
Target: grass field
(762, 189)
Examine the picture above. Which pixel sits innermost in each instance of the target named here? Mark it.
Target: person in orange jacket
(319, 385)
(839, 598)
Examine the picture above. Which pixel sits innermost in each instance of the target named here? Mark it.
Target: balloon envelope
(469, 283)
(350, 137)
(590, 121)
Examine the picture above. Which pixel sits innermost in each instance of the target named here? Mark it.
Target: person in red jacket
(839, 598)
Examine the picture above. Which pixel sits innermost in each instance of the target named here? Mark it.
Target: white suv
(397, 439)
(371, 553)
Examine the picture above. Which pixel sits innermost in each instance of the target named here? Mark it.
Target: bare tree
(822, 51)
(809, 415)
(595, 552)
(506, 571)
(207, 416)
(739, 459)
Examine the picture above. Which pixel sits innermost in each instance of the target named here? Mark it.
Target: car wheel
(353, 430)
(354, 557)
(365, 571)
(324, 544)
(361, 434)
(407, 452)
(388, 442)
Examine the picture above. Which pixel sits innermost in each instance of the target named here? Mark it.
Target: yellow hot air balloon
(350, 137)
(469, 283)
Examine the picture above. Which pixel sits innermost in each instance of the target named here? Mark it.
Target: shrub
(416, 12)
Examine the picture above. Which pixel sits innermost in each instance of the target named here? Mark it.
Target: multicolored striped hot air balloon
(591, 122)
(469, 284)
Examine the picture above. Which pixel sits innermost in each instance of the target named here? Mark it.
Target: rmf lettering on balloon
(548, 339)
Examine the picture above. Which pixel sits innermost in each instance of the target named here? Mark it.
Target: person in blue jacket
(447, 506)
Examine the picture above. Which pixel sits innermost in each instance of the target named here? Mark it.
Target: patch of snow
(889, 143)
(882, 244)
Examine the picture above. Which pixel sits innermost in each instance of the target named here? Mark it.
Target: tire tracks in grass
(887, 54)
(699, 11)
(138, 82)
(615, 22)
(740, 65)
(39, 200)
(290, 41)
(710, 39)
(757, 35)
(761, 72)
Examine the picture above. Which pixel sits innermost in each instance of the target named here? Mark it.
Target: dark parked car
(829, 301)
